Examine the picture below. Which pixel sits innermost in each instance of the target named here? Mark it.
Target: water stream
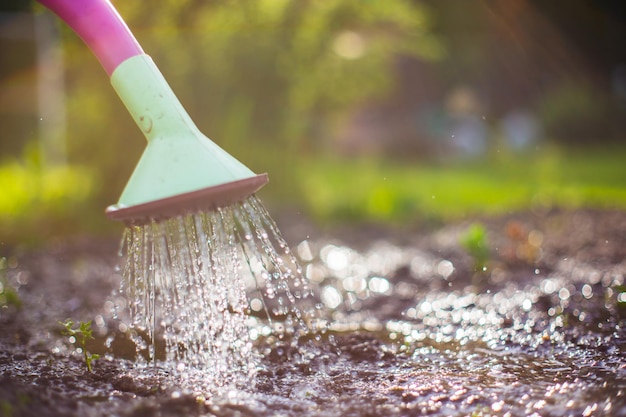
(204, 285)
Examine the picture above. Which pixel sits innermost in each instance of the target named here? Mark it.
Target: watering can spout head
(209, 198)
(181, 170)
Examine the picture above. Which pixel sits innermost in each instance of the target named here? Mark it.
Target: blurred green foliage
(264, 79)
(39, 202)
(574, 112)
(272, 82)
(408, 193)
(474, 241)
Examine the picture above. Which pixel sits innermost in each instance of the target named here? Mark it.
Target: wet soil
(416, 327)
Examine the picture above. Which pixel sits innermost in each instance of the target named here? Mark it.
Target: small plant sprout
(474, 241)
(8, 296)
(80, 337)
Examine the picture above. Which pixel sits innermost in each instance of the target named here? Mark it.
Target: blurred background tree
(264, 79)
(332, 98)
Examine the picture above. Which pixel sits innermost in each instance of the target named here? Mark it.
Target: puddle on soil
(409, 332)
(417, 337)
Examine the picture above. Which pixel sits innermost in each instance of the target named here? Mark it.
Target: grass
(37, 204)
(389, 191)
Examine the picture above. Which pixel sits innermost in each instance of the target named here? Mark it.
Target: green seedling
(474, 241)
(8, 296)
(81, 336)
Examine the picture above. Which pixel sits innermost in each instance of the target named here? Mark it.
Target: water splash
(201, 283)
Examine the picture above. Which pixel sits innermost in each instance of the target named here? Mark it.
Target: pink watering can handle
(101, 28)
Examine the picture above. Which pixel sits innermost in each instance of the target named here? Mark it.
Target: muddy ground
(41, 374)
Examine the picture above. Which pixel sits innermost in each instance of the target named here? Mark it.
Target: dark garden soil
(417, 331)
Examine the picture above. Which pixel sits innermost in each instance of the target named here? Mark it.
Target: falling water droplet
(184, 283)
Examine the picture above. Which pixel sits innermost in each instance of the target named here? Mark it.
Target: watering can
(181, 170)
